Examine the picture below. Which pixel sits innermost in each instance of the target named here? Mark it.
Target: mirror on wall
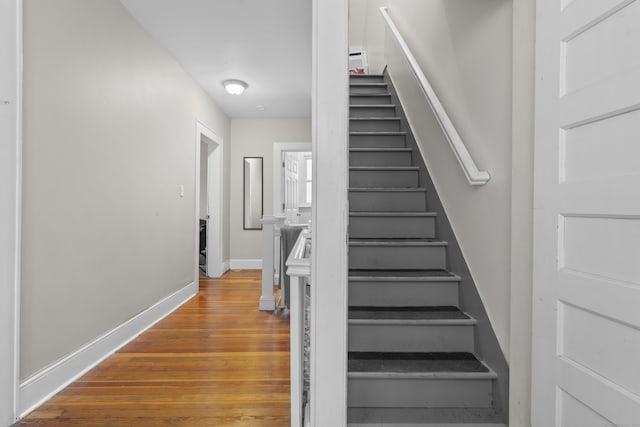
(252, 193)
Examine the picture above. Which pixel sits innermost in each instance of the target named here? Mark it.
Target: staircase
(411, 347)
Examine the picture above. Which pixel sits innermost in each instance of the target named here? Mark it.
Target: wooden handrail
(473, 175)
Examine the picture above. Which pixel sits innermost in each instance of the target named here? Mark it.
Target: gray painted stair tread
(419, 299)
(388, 189)
(417, 363)
(416, 417)
(394, 214)
(407, 313)
(384, 168)
(403, 274)
(374, 119)
(372, 105)
(372, 94)
(380, 133)
(396, 242)
(381, 150)
(423, 424)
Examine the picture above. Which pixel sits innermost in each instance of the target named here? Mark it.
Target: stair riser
(366, 78)
(383, 158)
(422, 417)
(420, 338)
(419, 393)
(425, 424)
(374, 125)
(392, 227)
(365, 89)
(383, 178)
(370, 100)
(397, 257)
(402, 294)
(389, 111)
(372, 201)
(376, 141)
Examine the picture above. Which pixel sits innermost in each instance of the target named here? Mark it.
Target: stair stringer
(487, 347)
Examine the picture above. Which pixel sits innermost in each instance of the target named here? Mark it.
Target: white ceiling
(265, 43)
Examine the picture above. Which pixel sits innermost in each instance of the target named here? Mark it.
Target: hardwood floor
(216, 361)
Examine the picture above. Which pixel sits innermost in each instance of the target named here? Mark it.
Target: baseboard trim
(40, 387)
(245, 264)
(226, 266)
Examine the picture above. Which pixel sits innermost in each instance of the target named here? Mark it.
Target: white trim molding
(278, 148)
(40, 387)
(245, 264)
(466, 162)
(330, 101)
(10, 204)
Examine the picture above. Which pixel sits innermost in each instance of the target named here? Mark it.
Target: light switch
(181, 190)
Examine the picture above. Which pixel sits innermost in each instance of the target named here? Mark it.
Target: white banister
(474, 176)
(299, 270)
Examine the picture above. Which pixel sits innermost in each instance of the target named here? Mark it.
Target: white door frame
(10, 205)
(585, 343)
(215, 262)
(278, 149)
(329, 270)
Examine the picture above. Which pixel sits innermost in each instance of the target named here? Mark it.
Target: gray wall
(255, 138)
(357, 21)
(109, 138)
(9, 202)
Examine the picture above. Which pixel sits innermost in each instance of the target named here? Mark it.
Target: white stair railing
(299, 270)
(471, 171)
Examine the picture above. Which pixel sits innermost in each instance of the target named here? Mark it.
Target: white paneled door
(291, 181)
(586, 325)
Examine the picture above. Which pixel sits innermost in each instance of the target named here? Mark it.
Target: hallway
(216, 361)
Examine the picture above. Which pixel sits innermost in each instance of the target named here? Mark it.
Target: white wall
(9, 201)
(255, 138)
(109, 131)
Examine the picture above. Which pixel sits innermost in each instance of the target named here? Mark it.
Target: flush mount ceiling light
(235, 87)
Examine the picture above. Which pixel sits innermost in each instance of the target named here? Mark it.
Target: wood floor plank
(216, 361)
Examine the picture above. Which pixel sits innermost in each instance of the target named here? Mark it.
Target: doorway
(292, 180)
(297, 186)
(209, 203)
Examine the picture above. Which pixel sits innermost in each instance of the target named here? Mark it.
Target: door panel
(291, 179)
(586, 316)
